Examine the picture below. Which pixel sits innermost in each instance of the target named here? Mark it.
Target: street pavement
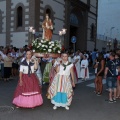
(86, 105)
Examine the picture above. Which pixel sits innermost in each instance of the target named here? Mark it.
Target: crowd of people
(61, 74)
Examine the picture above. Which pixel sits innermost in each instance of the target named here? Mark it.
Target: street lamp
(31, 34)
(117, 33)
(111, 31)
(62, 33)
(109, 44)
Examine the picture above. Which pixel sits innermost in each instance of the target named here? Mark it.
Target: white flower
(52, 42)
(59, 51)
(41, 41)
(46, 46)
(40, 44)
(33, 50)
(49, 43)
(49, 50)
(43, 45)
(50, 46)
(44, 49)
(34, 41)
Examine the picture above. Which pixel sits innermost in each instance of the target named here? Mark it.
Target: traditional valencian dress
(29, 94)
(52, 75)
(84, 73)
(61, 88)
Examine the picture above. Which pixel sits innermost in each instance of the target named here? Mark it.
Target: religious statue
(47, 28)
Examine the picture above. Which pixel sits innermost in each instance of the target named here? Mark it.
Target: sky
(109, 18)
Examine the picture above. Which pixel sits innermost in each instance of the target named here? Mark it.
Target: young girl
(61, 88)
(28, 92)
(100, 63)
(7, 66)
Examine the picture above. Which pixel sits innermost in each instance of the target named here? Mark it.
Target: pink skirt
(29, 94)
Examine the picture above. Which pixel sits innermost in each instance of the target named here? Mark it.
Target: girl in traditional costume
(28, 92)
(61, 91)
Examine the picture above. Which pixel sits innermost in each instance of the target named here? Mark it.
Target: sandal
(118, 97)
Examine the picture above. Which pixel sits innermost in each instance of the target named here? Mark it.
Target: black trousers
(7, 72)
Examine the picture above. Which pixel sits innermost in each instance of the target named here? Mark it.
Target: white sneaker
(67, 108)
(55, 107)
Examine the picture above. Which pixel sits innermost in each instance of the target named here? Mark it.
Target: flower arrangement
(44, 46)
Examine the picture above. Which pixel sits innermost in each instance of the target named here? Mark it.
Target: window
(19, 16)
(74, 19)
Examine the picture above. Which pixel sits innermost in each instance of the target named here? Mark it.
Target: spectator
(93, 56)
(7, 66)
(100, 64)
(110, 75)
(14, 55)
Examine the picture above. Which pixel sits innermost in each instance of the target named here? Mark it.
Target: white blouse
(66, 71)
(24, 69)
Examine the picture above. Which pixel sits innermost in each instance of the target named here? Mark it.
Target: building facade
(79, 17)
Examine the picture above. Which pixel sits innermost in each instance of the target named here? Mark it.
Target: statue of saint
(47, 28)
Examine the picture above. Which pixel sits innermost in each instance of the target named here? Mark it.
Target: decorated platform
(46, 49)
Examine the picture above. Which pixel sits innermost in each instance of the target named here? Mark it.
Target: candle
(33, 31)
(30, 29)
(64, 31)
(60, 33)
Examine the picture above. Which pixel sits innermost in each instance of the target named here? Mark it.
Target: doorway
(73, 32)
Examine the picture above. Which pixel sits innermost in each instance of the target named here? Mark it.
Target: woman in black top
(100, 64)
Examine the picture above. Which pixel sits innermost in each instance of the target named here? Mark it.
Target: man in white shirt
(3, 55)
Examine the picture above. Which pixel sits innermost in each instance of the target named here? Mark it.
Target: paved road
(85, 105)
